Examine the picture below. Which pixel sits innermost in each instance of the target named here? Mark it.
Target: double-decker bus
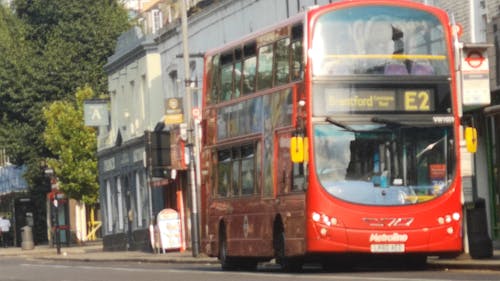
(333, 133)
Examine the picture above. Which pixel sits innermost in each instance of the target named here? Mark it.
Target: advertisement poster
(169, 227)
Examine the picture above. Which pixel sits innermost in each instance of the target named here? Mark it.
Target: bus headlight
(448, 218)
(323, 219)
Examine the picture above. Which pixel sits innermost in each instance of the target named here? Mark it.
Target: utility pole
(191, 143)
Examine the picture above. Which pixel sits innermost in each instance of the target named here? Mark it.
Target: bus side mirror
(298, 149)
(470, 136)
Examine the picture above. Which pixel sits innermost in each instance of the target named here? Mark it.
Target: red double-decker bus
(331, 134)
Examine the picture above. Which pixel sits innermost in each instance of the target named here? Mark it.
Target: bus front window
(375, 164)
(380, 40)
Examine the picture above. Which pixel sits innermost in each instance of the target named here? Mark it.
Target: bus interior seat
(422, 69)
(395, 69)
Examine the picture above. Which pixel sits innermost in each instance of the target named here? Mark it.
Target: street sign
(173, 111)
(475, 76)
(475, 59)
(96, 112)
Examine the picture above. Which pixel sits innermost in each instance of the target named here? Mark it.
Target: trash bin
(480, 243)
(27, 238)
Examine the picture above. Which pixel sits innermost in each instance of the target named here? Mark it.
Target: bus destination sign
(361, 100)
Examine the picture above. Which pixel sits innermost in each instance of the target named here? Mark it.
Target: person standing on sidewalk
(5, 228)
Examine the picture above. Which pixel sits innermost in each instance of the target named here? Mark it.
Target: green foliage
(50, 48)
(74, 147)
(74, 38)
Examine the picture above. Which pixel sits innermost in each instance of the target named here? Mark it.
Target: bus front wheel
(287, 264)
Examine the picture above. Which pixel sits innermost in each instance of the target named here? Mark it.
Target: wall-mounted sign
(174, 111)
(96, 112)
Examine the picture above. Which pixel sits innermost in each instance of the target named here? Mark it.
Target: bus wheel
(225, 261)
(287, 264)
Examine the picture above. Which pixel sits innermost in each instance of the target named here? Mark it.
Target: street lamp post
(189, 105)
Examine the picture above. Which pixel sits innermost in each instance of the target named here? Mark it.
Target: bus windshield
(379, 40)
(383, 163)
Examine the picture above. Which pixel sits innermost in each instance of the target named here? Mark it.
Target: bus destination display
(361, 100)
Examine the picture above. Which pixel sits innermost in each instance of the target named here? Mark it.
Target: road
(46, 270)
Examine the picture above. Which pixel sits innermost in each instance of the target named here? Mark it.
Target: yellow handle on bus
(470, 136)
(298, 149)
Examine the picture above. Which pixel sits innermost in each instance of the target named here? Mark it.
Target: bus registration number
(387, 248)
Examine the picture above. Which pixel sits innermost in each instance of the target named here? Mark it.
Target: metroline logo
(395, 237)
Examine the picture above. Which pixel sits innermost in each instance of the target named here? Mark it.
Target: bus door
(290, 185)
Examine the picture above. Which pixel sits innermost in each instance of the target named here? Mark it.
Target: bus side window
(214, 79)
(282, 61)
(298, 180)
(297, 67)
(223, 172)
(226, 76)
(265, 67)
(296, 53)
(248, 170)
(237, 75)
(226, 82)
(249, 68)
(236, 172)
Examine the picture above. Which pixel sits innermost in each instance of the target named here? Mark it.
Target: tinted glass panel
(380, 40)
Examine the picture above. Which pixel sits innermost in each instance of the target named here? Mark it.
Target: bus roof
(290, 21)
(300, 17)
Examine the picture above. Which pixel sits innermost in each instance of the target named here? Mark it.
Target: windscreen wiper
(339, 124)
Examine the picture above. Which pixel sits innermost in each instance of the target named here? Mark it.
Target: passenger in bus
(397, 37)
(296, 71)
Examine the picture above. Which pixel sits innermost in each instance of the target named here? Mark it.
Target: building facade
(135, 89)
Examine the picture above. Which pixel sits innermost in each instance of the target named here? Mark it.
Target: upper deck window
(379, 40)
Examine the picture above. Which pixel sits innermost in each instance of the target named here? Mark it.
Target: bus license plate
(387, 248)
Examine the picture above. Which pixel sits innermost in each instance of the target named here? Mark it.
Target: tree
(49, 48)
(58, 46)
(74, 38)
(74, 147)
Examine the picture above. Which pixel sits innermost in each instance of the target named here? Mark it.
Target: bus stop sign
(475, 76)
(475, 59)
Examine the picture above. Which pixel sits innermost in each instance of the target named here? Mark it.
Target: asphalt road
(16, 269)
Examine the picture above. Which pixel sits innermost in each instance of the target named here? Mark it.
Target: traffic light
(158, 152)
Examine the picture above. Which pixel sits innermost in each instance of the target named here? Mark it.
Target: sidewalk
(93, 252)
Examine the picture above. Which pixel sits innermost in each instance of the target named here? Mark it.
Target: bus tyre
(287, 264)
(225, 261)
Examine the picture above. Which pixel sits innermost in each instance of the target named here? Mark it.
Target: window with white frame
(109, 206)
(138, 195)
(119, 201)
(157, 22)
